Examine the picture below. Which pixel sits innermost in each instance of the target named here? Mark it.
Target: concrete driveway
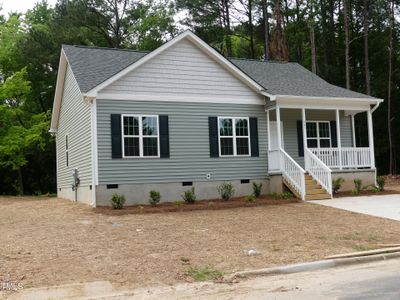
(385, 206)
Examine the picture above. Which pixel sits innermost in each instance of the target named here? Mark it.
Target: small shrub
(117, 201)
(250, 198)
(280, 196)
(226, 191)
(381, 183)
(178, 203)
(257, 189)
(337, 184)
(155, 197)
(357, 186)
(286, 195)
(189, 196)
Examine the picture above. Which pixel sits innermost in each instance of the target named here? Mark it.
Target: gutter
(376, 106)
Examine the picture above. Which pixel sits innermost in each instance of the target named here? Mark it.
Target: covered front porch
(317, 138)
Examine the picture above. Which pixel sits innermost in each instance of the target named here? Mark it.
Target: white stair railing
(293, 173)
(318, 170)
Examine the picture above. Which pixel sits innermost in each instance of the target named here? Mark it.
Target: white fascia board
(197, 41)
(172, 98)
(62, 68)
(329, 99)
(362, 104)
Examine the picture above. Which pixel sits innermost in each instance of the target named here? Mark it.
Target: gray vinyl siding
(182, 70)
(74, 121)
(289, 117)
(189, 144)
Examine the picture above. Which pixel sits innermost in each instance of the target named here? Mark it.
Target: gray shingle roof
(280, 78)
(92, 66)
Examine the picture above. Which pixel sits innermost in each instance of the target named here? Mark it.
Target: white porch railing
(351, 157)
(318, 170)
(293, 173)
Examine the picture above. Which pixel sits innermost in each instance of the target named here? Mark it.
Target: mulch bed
(214, 204)
(365, 193)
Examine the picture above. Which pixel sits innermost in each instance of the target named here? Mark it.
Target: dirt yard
(45, 241)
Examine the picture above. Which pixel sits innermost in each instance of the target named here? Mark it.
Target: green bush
(257, 189)
(279, 196)
(178, 203)
(250, 198)
(337, 184)
(381, 183)
(357, 186)
(226, 190)
(154, 197)
(117, 201)
(189, 196)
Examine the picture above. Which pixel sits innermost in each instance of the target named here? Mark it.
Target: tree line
(350, 43)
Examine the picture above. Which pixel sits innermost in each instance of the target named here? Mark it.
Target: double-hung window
(234, 136)
(318, 134)
(140, 136)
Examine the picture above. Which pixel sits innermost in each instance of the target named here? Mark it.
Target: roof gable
(181, 71)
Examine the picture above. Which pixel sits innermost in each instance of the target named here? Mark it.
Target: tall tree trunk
(20, 181)
(312, 39)
(313, 50)
(251, 28)
(266, 29)
(279, 47)
(389, 110)
(366, 46)
(347, 40)
(228, 32)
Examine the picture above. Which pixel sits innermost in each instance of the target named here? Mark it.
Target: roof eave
(62, 67)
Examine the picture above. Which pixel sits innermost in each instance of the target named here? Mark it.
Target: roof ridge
(105, 48)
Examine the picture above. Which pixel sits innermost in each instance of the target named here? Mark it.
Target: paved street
(386, 206)
(379, 280)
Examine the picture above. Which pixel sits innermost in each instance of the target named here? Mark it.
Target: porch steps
(314, 191)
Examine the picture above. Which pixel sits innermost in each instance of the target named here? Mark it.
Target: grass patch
(204, 273)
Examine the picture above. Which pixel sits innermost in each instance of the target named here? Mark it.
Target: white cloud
(19, 5)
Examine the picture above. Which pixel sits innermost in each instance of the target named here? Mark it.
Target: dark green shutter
(116, 136)
(164, 136)
(254, 137)
(333, 134)
(213, 133)
(300, 142)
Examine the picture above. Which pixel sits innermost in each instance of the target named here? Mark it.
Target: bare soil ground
(47, 241)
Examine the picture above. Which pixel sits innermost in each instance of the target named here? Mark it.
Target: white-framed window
(140, 136)
(234, 136)
(66, 151)
(318, 134)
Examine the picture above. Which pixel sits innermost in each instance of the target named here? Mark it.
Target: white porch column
(339, 138)
(278, 126)
(353, 131)
(371, 137)
(304, 126)
(268, 129)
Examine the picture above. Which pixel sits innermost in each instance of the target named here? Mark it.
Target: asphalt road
(377, 281)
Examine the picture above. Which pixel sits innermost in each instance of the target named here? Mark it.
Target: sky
(19, 5)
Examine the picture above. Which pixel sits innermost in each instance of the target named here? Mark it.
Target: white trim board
(199, 99)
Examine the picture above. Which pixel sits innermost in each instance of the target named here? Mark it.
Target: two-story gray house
(183, 115)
